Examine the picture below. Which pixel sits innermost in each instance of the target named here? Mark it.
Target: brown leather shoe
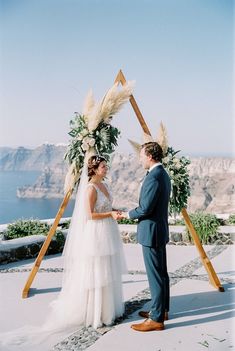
(148, 325)
(145, 314)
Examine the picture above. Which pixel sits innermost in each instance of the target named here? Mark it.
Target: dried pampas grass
(115, 99)
(162, 138)
(147, 138)
(111, 103)
(136, 146)
(71, 178)
(93, 119)
(89, 104)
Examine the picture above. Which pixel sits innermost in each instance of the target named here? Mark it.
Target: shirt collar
(153, 166)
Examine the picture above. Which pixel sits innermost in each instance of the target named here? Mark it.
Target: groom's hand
(122, 215)
(125, 215)
(117, 215)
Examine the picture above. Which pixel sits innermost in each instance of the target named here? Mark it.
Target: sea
(13, 208)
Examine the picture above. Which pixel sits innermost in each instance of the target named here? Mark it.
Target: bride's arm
(92, 197)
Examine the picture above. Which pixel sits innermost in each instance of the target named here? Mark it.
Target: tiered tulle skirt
(94, 296)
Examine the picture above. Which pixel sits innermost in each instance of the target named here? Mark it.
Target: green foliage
(206, 226)
(178, 172)
(65, 225)
(103, 139)
(60, 239)
(126, 221)
(231, 219)
(106, 138)
(23, 227)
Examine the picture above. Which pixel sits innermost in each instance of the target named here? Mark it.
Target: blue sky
(179, 52)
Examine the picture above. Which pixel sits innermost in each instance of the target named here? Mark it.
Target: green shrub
(23, 227)
(60, 239)
(231, 219)
(126, 221)
(222, 221)
(206, 226)
(65, 225)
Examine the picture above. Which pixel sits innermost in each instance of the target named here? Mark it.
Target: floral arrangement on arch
(177, 169)
(92, 132)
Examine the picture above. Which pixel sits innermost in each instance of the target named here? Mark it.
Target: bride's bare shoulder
(91, 192)
(91, 187)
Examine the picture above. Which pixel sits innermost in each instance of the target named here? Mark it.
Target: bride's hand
(116, 215)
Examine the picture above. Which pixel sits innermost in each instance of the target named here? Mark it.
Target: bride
(91, 293)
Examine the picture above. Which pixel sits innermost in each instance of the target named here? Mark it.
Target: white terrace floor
(201, 318)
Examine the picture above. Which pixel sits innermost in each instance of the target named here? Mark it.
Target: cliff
(212, 180)
(23, 159)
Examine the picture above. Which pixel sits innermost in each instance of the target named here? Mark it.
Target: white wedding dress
(91, 293)
(103, 264)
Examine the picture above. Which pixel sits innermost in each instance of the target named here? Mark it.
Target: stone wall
(179, 236)
(29, 247)
(24, 248)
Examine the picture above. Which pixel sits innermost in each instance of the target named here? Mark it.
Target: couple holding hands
(91, 293)
(99, 262)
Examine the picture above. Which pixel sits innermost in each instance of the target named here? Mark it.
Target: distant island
(212, 180)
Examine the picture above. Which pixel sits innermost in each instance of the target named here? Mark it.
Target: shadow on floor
(208, 306)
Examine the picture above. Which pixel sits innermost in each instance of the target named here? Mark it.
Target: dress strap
(94, 186)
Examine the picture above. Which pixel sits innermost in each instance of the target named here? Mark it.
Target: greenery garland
(177, 169)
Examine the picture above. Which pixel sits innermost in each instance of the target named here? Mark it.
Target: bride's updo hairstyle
(93, 164)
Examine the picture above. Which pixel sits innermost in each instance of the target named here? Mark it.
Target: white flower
(84, 132)
(165, 159)
(176, 163)
(86, 140)
(91, 142)
(178, 166)
(85, 146)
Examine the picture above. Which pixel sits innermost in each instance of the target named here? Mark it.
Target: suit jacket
(152, 212)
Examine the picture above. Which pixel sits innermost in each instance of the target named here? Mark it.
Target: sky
(179, 53)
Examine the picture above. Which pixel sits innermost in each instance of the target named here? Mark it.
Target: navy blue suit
(153, 234)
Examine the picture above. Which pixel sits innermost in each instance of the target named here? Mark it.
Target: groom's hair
(154, 149)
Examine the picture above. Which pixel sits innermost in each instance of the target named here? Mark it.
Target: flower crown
(97, 159)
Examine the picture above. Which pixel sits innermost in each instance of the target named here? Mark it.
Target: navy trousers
(156, 268)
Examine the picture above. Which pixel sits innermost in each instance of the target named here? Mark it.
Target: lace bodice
(103, 204)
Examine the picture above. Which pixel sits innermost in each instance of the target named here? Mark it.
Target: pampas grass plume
(162, 138)
(89, 104)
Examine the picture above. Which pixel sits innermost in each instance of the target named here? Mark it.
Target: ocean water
(13, 208)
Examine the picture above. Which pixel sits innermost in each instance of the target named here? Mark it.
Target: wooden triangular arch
(213, 278)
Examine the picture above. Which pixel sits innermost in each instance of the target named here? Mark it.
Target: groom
(153, 234)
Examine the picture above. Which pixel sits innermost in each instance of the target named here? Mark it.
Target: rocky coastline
(212, 180)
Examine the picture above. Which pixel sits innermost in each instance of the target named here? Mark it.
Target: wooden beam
(213, 278)
(45, 245)
(120, 78)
